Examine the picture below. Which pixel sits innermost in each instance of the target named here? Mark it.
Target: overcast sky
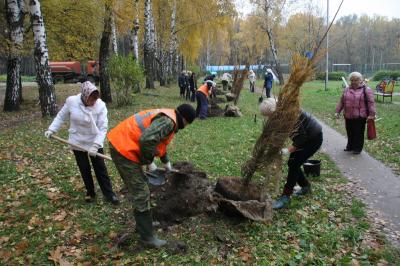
(388, 8)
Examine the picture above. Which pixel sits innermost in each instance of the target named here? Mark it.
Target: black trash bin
(312, 168)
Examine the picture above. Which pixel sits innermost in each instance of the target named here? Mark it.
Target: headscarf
(87, 88)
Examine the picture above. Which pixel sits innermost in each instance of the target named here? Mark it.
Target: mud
(215, 110)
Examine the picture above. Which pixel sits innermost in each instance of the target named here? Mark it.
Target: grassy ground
(3, 78)
(44, 219)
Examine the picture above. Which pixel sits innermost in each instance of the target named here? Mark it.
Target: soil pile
(185, 194)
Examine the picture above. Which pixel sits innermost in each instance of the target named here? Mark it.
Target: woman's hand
(292, 149)
(371, 117)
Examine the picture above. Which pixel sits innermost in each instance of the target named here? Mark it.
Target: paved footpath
(379, 185)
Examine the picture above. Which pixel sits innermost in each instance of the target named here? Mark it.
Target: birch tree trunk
(114, 35)
(135, 32)
(149, 45)
(275, 56)
(104, 55)
(173, 45)
(47, 95)
(15, 20)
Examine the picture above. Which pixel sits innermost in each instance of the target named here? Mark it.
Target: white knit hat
(267, 106)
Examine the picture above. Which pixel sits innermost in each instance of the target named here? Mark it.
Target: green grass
(3, 78)
(42, 208)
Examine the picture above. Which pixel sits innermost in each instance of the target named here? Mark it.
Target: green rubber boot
(144, 226)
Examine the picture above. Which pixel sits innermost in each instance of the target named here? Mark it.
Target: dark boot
(144, 226)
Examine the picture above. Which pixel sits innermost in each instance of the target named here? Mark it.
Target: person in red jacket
(134, 143)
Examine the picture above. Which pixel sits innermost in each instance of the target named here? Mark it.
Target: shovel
(79, 147)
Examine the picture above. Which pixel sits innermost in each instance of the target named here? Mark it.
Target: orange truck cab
(71, 71)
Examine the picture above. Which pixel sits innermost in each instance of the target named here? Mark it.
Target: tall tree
(134, 33)
(173, 43)
(47, 95)
(15, 21)
(104, 55)
(149, 44)
(271, 11)
(114, 35)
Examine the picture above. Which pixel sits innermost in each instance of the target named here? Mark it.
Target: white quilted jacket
(88, 125)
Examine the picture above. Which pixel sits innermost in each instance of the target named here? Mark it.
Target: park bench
(386, 91)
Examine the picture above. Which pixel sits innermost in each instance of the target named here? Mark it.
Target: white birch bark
(114, 35)
(173, 45)
(47, 96)
(15, 20)
(134, 34)
(149, 44)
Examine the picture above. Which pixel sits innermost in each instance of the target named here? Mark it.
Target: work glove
(152, 167)
(48, 134)
(93, 150)
(337, 115)
(168, 166)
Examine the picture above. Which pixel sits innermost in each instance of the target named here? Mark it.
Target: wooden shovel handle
(79, 147)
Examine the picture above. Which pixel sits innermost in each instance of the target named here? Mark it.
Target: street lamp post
(327, 46)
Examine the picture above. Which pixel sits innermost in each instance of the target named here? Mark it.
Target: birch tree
(114, 35)
(15, 21)
(173, 43)
(149, 44)
(135, 32)
(47, 95)
(271, 11)
(104, 55)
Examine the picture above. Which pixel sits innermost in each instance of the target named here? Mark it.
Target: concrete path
(379, 186)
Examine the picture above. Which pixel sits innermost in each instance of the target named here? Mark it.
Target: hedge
(382, 74)
(331, 75)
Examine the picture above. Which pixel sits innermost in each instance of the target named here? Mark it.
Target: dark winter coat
(268, 80)
(182, 81)
(306, 130)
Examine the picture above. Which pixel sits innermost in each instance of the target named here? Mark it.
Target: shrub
(382, 74)
(126, 77)
(331, 75)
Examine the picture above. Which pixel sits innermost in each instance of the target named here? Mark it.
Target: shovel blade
(156, 178)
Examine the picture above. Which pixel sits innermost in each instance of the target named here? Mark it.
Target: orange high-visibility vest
(204, 89)
(125, 136)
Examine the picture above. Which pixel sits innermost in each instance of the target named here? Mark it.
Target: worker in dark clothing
(183, 84)
(269, 78)
(134, 143)
(209, 77)
(193, 86)
(307, 139)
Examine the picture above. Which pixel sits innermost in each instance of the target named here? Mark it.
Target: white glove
(285, 151)
(168, 166)
(93, 150)
(48, 134)
(337, 115)
(152, 167)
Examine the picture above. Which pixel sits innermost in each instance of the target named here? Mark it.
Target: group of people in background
(187, 82)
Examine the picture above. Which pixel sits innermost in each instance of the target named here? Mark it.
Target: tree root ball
(184, 194)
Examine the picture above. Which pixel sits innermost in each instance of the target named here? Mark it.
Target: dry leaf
(60, 216)
(4, 239)
(55, 255)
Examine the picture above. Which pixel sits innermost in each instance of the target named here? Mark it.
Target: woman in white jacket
(87, 115)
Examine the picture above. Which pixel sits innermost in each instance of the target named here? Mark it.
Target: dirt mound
(185, 194)
(215, 110)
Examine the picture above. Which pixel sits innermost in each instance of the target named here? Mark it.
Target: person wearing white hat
(87, 115)
(269, 78)
(307, 139)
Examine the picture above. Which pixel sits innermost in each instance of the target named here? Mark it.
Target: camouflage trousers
(134, 179)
